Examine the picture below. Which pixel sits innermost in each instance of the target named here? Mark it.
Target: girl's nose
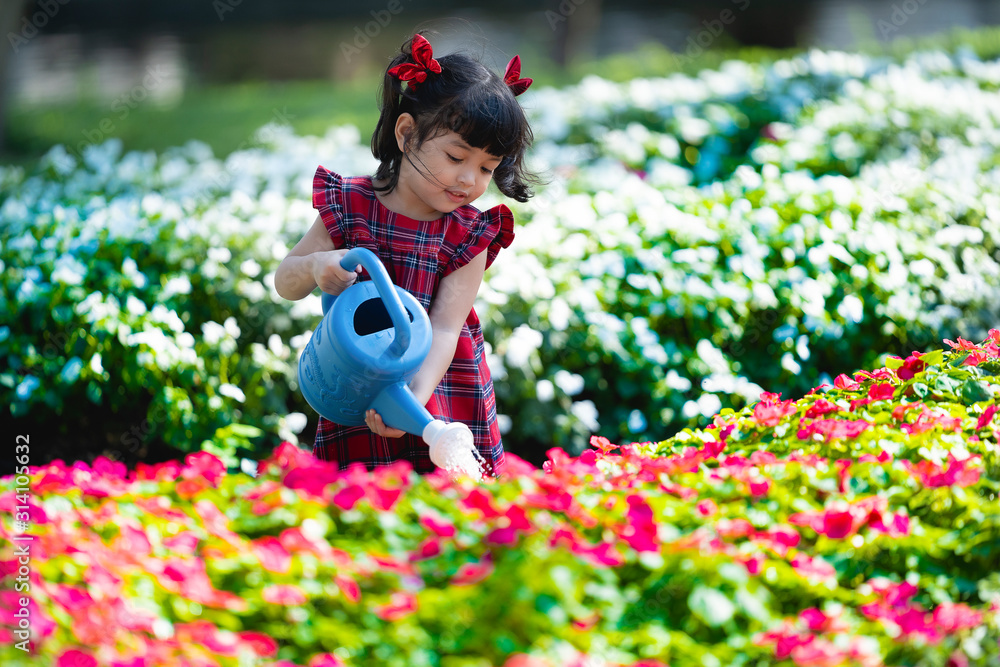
(465, 177)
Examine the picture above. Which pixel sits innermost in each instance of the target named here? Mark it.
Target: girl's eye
(487, 171)
(453, 158)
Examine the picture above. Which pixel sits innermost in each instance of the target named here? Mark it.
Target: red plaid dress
(417, 254)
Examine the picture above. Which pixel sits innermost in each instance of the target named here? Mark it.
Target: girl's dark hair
(467, 98)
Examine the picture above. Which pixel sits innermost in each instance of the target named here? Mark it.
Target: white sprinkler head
(453, 449)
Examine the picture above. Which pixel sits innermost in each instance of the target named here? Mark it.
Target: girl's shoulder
(478, 231)
(330, 181)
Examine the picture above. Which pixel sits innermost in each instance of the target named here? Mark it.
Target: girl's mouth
(457, 197)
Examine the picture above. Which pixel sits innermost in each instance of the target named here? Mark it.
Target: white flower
(232, 391)
(586, 413)
(69, 270)
(296, 421)
(544, 391)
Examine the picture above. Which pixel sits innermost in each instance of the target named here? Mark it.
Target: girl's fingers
(374, 422)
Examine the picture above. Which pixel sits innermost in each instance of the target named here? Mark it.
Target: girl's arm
(454, 300)
(314, 260)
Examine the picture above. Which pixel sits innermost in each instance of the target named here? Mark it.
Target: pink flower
(957, 472)
(284, 594)
(817, 621)
(348, 497)
(480, 501)
(204, 465)
(820, 408)
(400, 605)
(640, 531)
(844, 382)
(439, 528)
(259, 643)
(911, 366)
(987, 415)
(325, 660)
(707, 507)
(952, 617)
(833, 429)
(962, 344)
(770, 410)
(75, 658)
(812, 567)
(473, 573)
(602, 443)
(881, 391)
(272, 555)
(348, 586)
(428, 549)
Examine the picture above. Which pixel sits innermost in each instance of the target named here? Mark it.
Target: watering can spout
(397, 404)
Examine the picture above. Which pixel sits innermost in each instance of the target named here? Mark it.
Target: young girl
(447, 127)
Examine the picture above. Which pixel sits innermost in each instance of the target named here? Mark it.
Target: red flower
(881, 392)
(707, 507)
(846, 383)
(439, 528)
(348, 586)
(952, 617)
(473, 573)
(261, 644)
(987, 415)
(203, 465)
(962, 344)
(272, 555)
(820, 408)
(957, 472)
(911, 366)
(284, 594)
(602, 443)
(640, 531)
(75, 658)
(399, 606)
(834, 429)
(770, 410)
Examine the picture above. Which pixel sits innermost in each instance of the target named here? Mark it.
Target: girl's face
(444, 173)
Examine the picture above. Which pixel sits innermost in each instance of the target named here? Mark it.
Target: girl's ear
(405, 125)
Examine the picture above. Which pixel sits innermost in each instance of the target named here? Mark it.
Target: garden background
(744, 201)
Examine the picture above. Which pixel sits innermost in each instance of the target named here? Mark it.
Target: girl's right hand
(331, 277)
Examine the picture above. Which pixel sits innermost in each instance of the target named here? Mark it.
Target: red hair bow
(512, 77)
(424, 62)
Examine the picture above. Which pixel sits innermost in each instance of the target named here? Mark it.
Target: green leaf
(711, 606)
(933, 358)
(974, 391)
(893, 363)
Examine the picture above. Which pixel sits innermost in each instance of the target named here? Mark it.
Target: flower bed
(857, 525)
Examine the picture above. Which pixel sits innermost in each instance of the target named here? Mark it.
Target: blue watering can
(370, 343)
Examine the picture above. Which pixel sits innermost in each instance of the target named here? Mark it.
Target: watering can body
(370, 343)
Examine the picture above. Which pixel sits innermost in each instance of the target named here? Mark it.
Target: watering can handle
(386, 290)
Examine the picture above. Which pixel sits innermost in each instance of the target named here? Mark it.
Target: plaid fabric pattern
(417, 254)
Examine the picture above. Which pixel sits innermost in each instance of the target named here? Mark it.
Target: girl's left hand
(378, 427)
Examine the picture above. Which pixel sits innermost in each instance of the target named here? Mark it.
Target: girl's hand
(378, 427)
(331, 277)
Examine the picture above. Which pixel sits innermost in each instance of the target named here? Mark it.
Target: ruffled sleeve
(489, 231)
(328, 200)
